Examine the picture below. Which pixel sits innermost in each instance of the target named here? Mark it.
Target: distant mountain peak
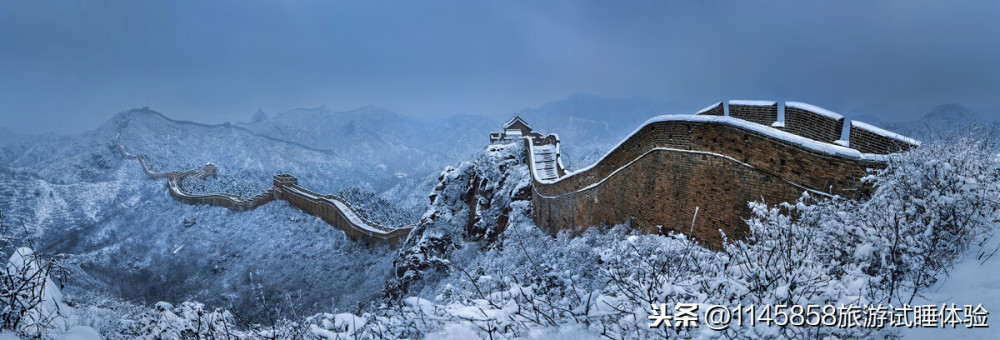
(135, 113)
(952, 111)
(258, 116)
(138, 110)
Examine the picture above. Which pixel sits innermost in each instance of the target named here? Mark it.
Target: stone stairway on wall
(544, 158)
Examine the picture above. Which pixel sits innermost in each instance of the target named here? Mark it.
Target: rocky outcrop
(471, 205)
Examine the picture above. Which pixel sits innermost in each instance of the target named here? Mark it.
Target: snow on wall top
(884, 133)
(344, 209)
(814, 109)
(812, 145)
(353, 217)
(514, 119)
(765, 130)
(753, 102)
(708, 108)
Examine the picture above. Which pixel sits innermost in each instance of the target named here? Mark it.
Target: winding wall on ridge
(674, 165)
(333, 210)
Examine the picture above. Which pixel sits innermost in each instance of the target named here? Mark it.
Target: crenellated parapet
(762, 112)
(229, 201)
(871, 139)
(717, 109)
(813, 122)
(337, 212)
(696, 173)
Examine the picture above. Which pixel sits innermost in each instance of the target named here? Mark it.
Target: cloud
(68, 67)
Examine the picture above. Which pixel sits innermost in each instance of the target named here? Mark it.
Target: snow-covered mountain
(879, 113)
(120, 232)
(400, 145)
(943, 119)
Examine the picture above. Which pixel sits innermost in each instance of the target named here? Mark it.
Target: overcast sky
(67, 66)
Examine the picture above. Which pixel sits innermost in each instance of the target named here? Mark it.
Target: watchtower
(281, 180)
(513, 129)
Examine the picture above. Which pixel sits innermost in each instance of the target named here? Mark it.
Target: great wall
(333, 210)
(692, 174)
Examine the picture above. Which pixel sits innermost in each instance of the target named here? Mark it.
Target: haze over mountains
(395, 156)
(78, 197)
(401, 144)
(375, 143)
(943, 118)
(372, 148)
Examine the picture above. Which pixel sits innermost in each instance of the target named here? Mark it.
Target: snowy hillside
(121, 233)
(171, 145)
(971, 282)
(929, 208)
(398, 144)
(142, 264)
(143, 245)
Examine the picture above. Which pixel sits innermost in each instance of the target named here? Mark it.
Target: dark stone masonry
(864, 139)
(813, 125)
(659, 177)
(715, 110)
(760, 114)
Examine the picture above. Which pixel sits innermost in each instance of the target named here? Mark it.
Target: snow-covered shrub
(471, 206)
(929, 205)
(926, 207)
(31, 302)
(190, 320)
(376, 209)
(241, 183)
(119, 319)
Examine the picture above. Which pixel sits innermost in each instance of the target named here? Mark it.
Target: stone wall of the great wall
(322, 206)
(715, 110)
(764, 114)
(865, 138)
(285, 188)
(668, 169)
(813, 125)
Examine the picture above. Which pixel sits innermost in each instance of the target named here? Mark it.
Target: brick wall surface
(715, 167)
(333, 216)
(326, 211)
(870, 142)
(717, 110)
(812, 125)
(764, 115)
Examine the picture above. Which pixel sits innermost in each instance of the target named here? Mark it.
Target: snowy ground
(970, 283)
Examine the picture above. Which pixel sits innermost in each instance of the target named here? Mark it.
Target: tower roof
(510, 122)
